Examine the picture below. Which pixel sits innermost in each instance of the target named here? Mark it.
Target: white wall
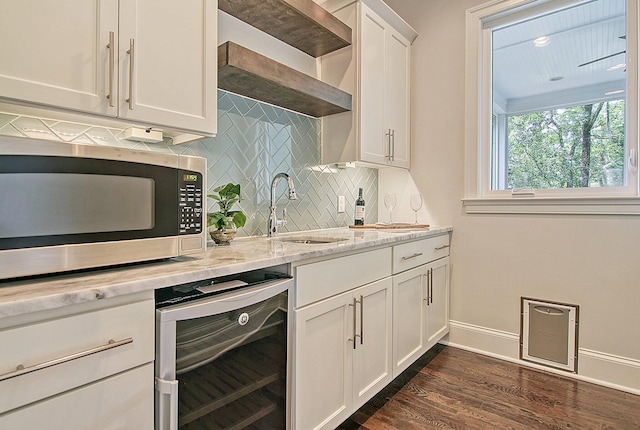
(590, 261)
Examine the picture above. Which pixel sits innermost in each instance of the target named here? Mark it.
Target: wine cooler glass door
(221, 362)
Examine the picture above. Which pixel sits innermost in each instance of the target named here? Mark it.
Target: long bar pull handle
(169, 389)
(429, 274)
(387, 135)
(354, 322)
(131, 53)
(417, 254)
(111, 47)
(393, 145)
(21, 370)
(431, 285)
(440, 248)
(422, 277)
(361, 319)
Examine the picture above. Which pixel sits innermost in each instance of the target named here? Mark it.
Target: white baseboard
(608, 370)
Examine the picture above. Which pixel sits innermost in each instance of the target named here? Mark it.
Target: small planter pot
(224, 235)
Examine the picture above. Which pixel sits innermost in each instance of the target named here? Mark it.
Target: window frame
(479, 197)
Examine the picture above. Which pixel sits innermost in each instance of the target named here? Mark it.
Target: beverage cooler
(221, 353)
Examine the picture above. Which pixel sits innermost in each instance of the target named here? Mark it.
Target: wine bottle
(359, 217)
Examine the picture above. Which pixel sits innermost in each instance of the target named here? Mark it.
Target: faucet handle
(284, 217)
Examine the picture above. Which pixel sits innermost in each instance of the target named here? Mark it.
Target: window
(552, 102)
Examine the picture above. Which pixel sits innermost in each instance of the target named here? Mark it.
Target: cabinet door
(408, 317)
(374, 143)
(397, 102)
(437, 320)
(56, 54)
(323, 358)
(373, 349)
(168, 64)
(121, 402)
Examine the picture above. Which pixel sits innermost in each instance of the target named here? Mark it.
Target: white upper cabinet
(376, 70)
(55, 53)
(168, 63)
(149, 61)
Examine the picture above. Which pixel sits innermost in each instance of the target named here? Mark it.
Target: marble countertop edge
(244, 254)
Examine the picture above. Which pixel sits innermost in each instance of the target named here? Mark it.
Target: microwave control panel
(190, 202)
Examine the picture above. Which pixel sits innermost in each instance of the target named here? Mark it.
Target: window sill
(554, 206)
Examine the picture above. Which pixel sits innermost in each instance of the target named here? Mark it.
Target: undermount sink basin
(310, 240)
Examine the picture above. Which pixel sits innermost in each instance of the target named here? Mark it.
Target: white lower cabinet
(359, 321)
(408, 318)
(437, 313)
(121, 402)
(86, 366)
(420, 311)
(343, 354)
(342, 336)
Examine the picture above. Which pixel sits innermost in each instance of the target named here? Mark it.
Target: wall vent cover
(549, 333)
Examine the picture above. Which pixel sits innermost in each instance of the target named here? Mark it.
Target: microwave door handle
(167, 389)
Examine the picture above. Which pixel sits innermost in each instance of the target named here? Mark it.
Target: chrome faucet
(274, 222)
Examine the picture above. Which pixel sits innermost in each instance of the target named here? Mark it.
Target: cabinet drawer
(124, 401)
(316, 281)
(409, 255)
(64, 353)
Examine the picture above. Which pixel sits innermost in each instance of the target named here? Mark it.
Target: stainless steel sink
(310, 240)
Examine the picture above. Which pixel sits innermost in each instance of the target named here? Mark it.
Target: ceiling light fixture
(541, 41)
(616, 67)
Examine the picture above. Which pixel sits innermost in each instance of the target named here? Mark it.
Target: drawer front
(323, 279)
(413, 254)
(67, 352)
(121, 402)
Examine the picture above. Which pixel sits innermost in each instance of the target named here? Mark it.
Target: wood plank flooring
(449, 388)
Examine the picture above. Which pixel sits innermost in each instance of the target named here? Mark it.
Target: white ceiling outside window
(583, 42)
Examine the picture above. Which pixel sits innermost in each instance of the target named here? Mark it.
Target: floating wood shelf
(250, 74)
(302, 24)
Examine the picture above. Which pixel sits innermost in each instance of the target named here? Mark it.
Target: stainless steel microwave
(66, 207)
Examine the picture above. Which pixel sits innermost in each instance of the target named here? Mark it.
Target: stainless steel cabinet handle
(393, 145)
(430, 285)
(361, 320)
(111, 48)
(21, 370)
(354, 322)
(131, 53)
(417, 254)
(439, 248)
(422, 276)
(388, 136)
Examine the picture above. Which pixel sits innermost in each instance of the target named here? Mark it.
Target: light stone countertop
(244, 254)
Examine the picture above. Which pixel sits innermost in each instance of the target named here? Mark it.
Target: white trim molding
(608, 370)
(554, 206)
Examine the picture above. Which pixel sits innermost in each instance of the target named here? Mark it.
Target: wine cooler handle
(169, 389)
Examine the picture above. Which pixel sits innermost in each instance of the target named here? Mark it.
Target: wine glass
(416, 203)
(390, 203)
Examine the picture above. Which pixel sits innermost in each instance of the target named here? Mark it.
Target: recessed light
(610, 93)
(616, 67)
(541, 41)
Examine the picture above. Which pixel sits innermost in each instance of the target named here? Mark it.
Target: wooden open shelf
(302, 24)
(250, 74)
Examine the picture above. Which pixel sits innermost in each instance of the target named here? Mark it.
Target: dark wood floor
(449, 388)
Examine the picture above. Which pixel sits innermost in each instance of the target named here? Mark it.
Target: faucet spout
(274, 222)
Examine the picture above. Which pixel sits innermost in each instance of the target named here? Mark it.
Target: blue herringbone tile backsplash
(254, 142)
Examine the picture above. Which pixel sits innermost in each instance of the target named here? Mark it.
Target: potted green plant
(223, 224)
